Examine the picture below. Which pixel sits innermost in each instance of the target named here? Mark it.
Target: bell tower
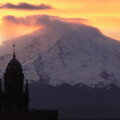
(16, 95)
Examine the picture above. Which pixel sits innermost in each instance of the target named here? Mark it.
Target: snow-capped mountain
(67, 53)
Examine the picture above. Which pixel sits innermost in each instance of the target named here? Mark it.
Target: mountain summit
(68, 53)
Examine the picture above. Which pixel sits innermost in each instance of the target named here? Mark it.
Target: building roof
(14, 66)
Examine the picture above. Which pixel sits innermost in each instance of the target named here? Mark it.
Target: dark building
(14, 96)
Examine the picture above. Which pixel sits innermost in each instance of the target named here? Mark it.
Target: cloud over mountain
(66, 52)
(25, 6)
(35, 22)
(40, 20)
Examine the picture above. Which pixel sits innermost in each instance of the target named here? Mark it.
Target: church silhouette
(14, 96)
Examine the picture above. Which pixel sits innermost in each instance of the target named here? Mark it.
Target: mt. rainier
(67, 53)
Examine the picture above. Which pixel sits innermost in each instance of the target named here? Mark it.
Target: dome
(14, 66)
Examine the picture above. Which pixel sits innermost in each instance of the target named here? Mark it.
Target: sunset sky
(103, 14)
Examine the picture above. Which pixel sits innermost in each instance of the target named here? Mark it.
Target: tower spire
(14, 50)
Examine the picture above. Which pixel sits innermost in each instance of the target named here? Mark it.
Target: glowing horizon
(103, 14)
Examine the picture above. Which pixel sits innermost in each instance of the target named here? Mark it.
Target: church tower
(16, 93)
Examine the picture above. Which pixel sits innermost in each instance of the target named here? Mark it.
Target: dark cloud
(26, 6)
(11, 19)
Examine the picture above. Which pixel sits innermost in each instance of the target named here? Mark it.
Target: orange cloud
(103, 14)
(11, 28)
(23, 25)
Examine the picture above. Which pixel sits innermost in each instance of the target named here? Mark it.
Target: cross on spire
(14, 50)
